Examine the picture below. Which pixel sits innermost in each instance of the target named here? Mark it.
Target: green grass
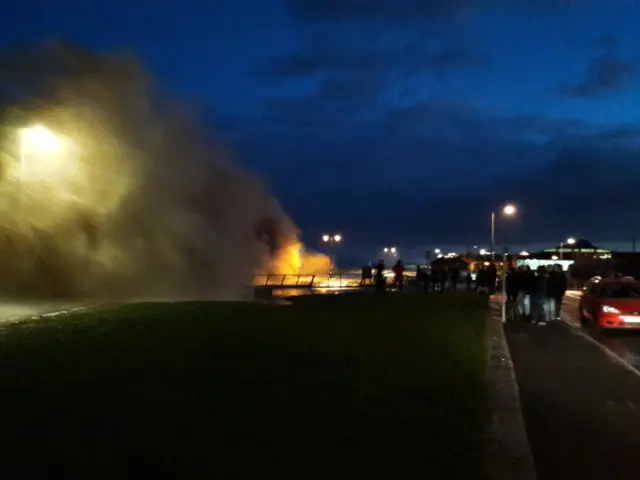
(333, 385)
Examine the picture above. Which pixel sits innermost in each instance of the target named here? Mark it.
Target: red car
(611, 303)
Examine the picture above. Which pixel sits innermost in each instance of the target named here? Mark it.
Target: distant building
(581, 253)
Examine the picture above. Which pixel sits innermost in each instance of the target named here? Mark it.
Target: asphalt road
(625, 344)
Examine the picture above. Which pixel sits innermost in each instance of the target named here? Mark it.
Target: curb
(508, 454)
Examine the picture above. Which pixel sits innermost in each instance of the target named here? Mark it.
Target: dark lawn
(343, 384)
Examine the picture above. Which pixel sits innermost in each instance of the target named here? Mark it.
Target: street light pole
(570, 241)
(330, 240)
(493, 236)
(508, 211)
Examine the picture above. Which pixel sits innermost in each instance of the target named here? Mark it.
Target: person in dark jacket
(492, 277)
(455, 278)
(556, 289)
(511, 284)
(482, 280)
(434, 279)
(527, 285)
(468, 280)
(443, 276)
(539, 302)
(381, 282)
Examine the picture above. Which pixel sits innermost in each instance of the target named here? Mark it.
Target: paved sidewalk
(581, 410)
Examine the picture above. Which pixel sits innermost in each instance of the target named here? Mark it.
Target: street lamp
(508, 210)
(391, 250)
(570, 241)
(331, 240)
(41, 141)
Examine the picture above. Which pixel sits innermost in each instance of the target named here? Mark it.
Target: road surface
(625, 344)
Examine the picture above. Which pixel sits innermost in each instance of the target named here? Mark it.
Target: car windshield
(620, 290)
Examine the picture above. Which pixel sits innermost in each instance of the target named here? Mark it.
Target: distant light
(437, 250)
(337, 237)
(571, 241)
(326, 238)
(386, 249)
(509, 209)
(554, 257)
(439, 255)
(483, 251)
(393, 249)
(487, 263)
(524, 254)
(40, 139)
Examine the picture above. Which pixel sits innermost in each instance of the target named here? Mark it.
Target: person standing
(557, 287)
(539, 297)
(455, 278)
(434, 278)
(492, 278)
(381, 282)
(444, 275)
(398, 272)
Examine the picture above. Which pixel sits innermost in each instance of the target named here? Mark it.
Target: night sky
(401, 121)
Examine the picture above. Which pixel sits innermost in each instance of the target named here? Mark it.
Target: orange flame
(292, 259)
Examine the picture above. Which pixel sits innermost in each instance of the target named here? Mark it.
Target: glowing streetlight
(437, 250)
(570, 241)
(524, 254)
(331, 239)
(393, 249)
(41, 153)
(508, 210)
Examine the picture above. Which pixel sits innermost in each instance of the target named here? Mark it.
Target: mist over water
(131, 198)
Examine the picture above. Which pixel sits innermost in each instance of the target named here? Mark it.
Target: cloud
(397, 11)
(604, 75)
(433, 171)
(410, 58)
(411, 12)
(413, 163)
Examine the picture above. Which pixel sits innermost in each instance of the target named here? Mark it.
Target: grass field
(344, 384)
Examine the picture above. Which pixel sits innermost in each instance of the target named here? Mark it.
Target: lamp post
(47, 146)
(393, 251)
(507, 210)
(330, 240)
(570, 241)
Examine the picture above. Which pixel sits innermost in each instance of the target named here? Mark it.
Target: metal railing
(287, 280)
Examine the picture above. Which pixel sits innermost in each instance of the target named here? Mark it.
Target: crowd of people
(538, 295)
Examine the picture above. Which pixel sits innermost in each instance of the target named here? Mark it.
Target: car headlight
(608, 309)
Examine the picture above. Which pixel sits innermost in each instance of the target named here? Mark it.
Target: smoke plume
(111, 189)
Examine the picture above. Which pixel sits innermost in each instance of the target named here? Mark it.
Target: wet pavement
(17, 311)
(581, 408)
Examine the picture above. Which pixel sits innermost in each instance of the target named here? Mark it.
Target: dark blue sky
(401, 121)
